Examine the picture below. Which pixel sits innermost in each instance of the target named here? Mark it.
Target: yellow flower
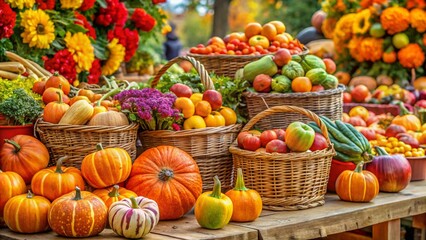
(343, 28)
(74, 4)
(418, 19)
(82, 50)
(20, 4)
(371, 49)
(116, 57)
(39, 31)
(328, 26)
(362, 22)
(395, 19)
(353, 46)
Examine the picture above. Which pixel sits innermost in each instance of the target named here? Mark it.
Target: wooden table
(336, 216)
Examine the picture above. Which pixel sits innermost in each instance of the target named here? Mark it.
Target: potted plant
(20, 112)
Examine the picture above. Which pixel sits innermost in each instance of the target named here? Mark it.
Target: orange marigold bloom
(353, 47)
(424, 39)
(371, 49)
(395, 19)
(340, 6)
(418, 19)
(411, 56)
(328, 26)
(343, 28)
(416, 3)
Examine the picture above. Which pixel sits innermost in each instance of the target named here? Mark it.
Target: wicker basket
(77, 141)
(328, 103)
(290, 181)
(208, 146)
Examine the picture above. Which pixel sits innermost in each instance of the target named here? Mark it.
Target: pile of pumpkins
(163, 183)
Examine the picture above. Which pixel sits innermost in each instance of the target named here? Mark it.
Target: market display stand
(335, 217)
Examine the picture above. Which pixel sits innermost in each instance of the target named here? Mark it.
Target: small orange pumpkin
(54, 111)
(357, 185)
(11, 184)
(407, 119)
(57, 81)
(113, 194)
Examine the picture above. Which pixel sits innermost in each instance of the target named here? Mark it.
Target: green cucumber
(346, 158)
(347, 132)
(332, 129)
(360, 137)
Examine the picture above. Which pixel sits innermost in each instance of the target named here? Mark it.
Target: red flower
(46, 4)
(82, 21)
(7, 20)
(63, 63)
(95, 72)
(143, 20)
(126, 37)
(115, 12)
(87, 4)
(158, 1)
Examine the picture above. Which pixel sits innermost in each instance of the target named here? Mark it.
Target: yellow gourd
(78, 114)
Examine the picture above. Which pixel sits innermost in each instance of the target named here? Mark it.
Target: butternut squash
(368, 81)
(78, 114)
(110, 118)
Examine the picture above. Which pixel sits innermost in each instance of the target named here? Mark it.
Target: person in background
(172, 45)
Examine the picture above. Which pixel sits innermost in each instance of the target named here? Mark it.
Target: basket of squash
(76, 125)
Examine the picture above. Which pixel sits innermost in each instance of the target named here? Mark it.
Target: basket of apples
(224, 56)
(289, 167)
(207, 131)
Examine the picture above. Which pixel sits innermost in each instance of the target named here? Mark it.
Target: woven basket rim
(340, 88)
(84, 128)
(193, 132)
(249, 57)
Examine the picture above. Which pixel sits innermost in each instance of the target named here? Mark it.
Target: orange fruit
(281, 38)
(301, 84)
(251, 29)
(229, 115)
(279, 26)
(269, 31)
(203, 108)
(343, 77)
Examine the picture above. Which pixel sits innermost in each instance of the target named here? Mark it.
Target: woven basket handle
(284, 109)
(204, 76)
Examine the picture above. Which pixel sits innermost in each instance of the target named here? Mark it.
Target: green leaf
(102, 3)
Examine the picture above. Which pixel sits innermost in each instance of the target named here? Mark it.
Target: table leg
(390, 230)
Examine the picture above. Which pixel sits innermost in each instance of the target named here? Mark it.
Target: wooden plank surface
(390, 230)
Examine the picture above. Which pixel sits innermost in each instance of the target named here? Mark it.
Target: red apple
(181, 90)
(393, 129)
(408, 139)
(357, 121)
(267, 136)
(369, 133)
(262, 83)
(280, 133)
(317, 88)
(420, 104)
(240, 138)
(347, 97)
(251, 142)
(282, 57)
(330, 65)
(277, 146)
(371, 120)
(214, 98)
(319, 142)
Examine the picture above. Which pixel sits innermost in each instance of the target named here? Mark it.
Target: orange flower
(424, 39)
(328, 27)
(340, 6)
(343, 28)
(395, 19)
(416, 3)
(389, 57)
(353, 47)
(411, 56)
(371, 49)
(367, 3)
(418, 19)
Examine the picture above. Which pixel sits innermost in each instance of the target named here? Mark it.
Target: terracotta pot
(418, 168)
(7, 132)
(337, 167)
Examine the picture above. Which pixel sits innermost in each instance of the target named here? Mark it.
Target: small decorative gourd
(113, 194)
(78, 114)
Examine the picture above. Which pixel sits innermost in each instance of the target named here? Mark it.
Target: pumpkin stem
(30, 194)
(14, 144)
(59, 164)
(114, 192)
(165, 174)
(56, 74)
(358, 167)
(380, 151)
(403, 109)
(99, 147)
(111, 93)
(217, 192)
(134, 203)
(239, 185)
(60, 97)
(77, 194)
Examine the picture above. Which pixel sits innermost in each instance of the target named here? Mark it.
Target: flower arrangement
(378, 37)
(149, 107)
(81, 39)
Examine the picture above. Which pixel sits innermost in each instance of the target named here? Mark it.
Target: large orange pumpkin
(56, 181)
(113, 194)
(78, 214)
(27, 213)
(11, 184)
(24, 155)
(106, 167)
(169, 176)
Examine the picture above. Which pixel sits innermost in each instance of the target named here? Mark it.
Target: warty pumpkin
(106, 167)
(133, 217)
(113, 194)
(11, 184)
(169, 176)
(24, 155)
(56, 181)
(78, 214)
(27, 213)
(54, 111)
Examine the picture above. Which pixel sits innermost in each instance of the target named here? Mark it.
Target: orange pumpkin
(54, 111)
(57, 81)
(247, 203)
(357, 185)
(169, 176)
(407, 119)
(113, 194)
(27, 213)
(88, 93)
(106, 167)
(78, 214)
(24, 155)
(11, 184)
(420, 83)
(56, 181)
